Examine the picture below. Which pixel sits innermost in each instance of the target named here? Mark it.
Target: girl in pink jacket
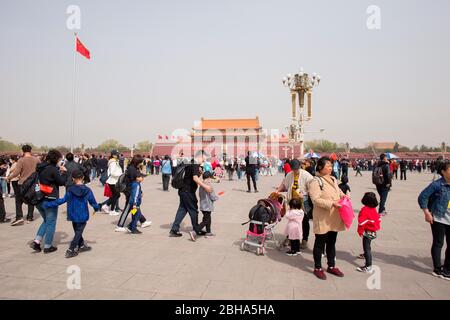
(294, 226)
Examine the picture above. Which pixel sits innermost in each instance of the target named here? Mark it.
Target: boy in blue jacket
(135, 203)
(78, 196)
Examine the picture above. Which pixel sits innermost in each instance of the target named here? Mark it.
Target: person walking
(166, 170)
(382, 178)
(434, 200)
(114, 172)
(24, 168)
(71, 166)
(51, 177)
(325, 195)
(133, 171)
(251, 164)
(188, 199)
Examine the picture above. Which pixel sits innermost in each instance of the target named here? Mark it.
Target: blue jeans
(48, 226)
(93, 174)
(78, 241)
(4, 189)
(188, 204)
(383, 192)
(134, 220)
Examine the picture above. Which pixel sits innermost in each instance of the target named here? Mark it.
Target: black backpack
(377, 176)
(31, 191)
(178, 177)
(261, 214)
(122, 182)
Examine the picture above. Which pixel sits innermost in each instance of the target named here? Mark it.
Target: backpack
(377, 176)
(261, 214)
(178, 177)
(31, 191)
(122, 182)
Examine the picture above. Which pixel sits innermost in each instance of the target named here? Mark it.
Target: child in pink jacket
(294, 226)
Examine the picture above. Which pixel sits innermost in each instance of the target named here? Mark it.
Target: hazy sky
(160, 65)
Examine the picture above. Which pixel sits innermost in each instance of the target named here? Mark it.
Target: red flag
(159, 137)
(167, 138)
(282, 135)
(82, 49)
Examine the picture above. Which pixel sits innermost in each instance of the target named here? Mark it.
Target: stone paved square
(155, 266)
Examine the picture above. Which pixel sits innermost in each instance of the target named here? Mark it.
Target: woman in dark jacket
(51, 177)
(136, 164)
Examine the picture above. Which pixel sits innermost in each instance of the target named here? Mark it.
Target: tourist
(52, 177)
(132, 173)
(295, 183)
(188, 199)
(251, 164)
(344, 167)
(327, 222)
(403, 168)
(114, 171)
(71, 167)
(434, 200)
(368, 225)
(25, 167)
(166, 170)
(157, 165)
(3, 218)
(344, 186)
(293, 229)
(102, 169)
(207, 200)
(14, 181)
(77, 196)
(382, 178)
(134, 202)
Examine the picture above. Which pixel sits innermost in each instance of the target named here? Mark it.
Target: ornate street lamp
(300, 84)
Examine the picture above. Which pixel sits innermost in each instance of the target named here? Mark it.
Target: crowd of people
(314, 191)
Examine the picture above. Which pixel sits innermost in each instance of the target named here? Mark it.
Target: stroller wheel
(242, 246)
(263, 251)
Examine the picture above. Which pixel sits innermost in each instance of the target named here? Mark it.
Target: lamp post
(300, 84)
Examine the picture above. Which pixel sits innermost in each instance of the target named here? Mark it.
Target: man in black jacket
(403, 167)
(251, 165)
(383, 188)
(102, 168)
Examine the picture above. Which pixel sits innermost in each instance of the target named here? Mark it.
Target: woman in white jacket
(111, 206)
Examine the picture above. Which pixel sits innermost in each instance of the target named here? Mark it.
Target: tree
(144, 146)
(8, 146)
(111, 144)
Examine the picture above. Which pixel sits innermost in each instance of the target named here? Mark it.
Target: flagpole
(72, 133)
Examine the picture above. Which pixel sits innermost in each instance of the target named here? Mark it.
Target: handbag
(107, 191)
(346, 212)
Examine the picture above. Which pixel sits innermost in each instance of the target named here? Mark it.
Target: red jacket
(287, 168)
(368, 220)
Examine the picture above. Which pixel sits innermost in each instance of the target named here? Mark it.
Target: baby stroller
(263, 218)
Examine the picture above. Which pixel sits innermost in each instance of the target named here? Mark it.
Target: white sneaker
(105, 208)
(114, 213)
(146, 224)
(121, 229)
